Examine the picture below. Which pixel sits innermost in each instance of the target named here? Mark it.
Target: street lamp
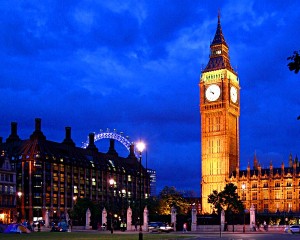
(19, 203)
(111, 184)
(140, 147)
(243, 188)
(123, 194)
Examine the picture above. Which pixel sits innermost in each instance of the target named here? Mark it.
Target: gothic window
(265, 185)
(211, 146)
(254, 196)
(289, 195)
(218, 167)
(277, 195)
(210, 124)
(266, 195)
(254, 185)
(218, 123)
(277, 184)
(218, 145)
(243, 196)
(289, 184)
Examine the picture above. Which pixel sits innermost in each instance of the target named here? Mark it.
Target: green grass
(91, 236)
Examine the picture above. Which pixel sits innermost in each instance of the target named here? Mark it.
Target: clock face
(233, 94)
(213, 92)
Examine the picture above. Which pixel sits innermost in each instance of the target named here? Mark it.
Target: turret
(290, 160)
(255, 162)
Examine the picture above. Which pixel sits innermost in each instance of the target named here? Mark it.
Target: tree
(170, 197)
(294, 64)
(79, 211)
(227, 200)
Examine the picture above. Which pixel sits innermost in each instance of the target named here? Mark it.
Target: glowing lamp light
(111, 182)
(140, 146)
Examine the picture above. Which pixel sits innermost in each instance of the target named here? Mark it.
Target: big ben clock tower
(220, 110)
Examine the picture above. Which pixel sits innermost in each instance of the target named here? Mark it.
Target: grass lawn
(90, 236)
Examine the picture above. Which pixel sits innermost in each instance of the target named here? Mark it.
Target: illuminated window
(254, 196)
(210, 124)
(211, 146)
(218, 123)
(266, 195)
(289, 194)
(218, 146)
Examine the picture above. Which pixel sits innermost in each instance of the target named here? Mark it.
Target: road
(248, 236)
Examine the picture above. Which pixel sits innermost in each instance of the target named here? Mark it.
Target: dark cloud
(135, 67)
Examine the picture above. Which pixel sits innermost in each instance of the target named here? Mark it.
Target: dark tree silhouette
(227, 200)
(294, 64)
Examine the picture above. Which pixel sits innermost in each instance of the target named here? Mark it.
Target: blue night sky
(134, 66)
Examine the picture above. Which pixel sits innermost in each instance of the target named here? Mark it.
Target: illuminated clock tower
(220, 110)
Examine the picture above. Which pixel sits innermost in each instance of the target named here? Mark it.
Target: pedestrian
(70, 224)
(225, 227)
(185, 227)
(32, 226)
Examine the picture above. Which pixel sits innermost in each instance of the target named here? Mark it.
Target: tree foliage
(227, 200)
(294, 64)
(79, 211)
(170, 197)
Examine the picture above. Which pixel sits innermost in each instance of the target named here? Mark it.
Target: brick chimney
(13, 137)
(68, 140)
(131, 151)
(92, 145)
(37, 132)
(112, 150)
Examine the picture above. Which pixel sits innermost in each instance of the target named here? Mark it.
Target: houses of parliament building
(269, 190)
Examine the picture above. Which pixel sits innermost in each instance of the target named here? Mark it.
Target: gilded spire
(219, 58)
(219, 37)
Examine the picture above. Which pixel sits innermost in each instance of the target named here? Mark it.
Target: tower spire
(219, 37)
(219, 51)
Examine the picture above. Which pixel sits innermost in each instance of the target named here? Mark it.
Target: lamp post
(74, 200)
(243, 188)
(19, 203)
(123, 194)
(140, 147)
(111, 184)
